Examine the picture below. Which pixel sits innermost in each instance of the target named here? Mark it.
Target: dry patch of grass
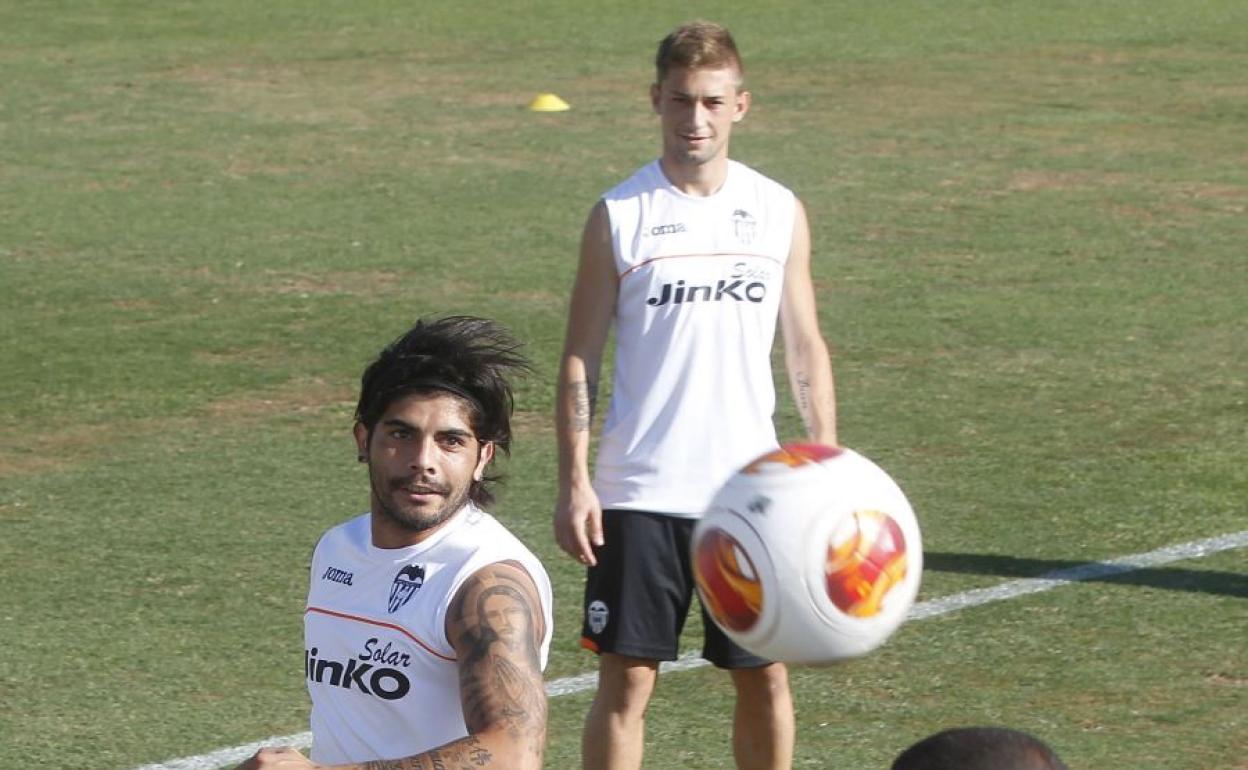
(54, 449)
(327, 283)
(1035, 179)
(533, 426)
(298, 396)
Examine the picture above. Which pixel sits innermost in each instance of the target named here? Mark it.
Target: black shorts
(638, 595)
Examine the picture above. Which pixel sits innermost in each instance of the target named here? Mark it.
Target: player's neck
(388, 535)
(697, 179)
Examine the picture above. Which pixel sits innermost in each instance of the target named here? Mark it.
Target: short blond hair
(698, 45)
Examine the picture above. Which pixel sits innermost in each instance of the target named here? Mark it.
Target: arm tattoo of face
(584, 402)
(500, 677)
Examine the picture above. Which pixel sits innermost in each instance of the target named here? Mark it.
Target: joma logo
(338, 575)
(667, 229)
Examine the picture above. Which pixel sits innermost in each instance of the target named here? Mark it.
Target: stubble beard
(696, 157)
(409, 518)
(693, 159)
(690, 159)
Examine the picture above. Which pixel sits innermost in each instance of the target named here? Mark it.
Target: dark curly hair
(467, 357)
(979, 748)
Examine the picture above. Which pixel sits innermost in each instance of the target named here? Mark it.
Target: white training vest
(381, 673)
(700, 282)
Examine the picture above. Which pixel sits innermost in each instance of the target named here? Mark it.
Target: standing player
(693, 257)
(428, 623)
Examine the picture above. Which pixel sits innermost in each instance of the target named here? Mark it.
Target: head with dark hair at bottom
(979, 748)
(439, 395)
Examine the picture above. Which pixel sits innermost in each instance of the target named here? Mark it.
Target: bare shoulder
(599, 219)
(800, 247)
(485, 589)
(594, 291)
(799, 207)
(596, 237)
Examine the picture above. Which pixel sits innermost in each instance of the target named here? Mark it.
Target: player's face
(422, 459)
(697, 109)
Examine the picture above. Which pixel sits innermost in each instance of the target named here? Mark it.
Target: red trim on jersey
(390, 626)
(589, 644)
(642, 264)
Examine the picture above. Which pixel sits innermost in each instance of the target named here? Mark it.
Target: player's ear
(483, 460)
(361, 441)
(742, 106)
(655, 95)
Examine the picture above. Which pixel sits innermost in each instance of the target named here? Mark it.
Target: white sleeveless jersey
(699, 293)
(382, 675)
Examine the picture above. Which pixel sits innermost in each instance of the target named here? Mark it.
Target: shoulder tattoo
(496, 625)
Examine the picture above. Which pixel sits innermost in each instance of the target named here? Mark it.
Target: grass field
(1029, 222)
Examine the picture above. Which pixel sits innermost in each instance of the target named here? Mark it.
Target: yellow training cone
(548, 103)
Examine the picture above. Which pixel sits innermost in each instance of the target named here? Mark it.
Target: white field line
(928, 609)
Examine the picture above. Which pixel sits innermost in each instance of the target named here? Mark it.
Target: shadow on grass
(1170, 578)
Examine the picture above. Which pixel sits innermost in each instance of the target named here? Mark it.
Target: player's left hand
(280, 758)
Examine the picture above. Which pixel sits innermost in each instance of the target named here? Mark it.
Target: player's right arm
(578, 514)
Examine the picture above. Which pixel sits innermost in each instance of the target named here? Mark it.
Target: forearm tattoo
(463, 754)
(584, 403)
(802, 382)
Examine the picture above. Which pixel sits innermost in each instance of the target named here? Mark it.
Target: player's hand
(578, 524)
(280, 758)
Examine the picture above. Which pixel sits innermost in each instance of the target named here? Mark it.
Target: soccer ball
(809, 554)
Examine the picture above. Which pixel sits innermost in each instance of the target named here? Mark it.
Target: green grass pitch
(1029, 225)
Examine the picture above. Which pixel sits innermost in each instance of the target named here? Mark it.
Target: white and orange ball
(809, 554)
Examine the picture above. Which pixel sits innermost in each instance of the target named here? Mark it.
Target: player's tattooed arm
(496, 625)
(584, 404)
(806, 353)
